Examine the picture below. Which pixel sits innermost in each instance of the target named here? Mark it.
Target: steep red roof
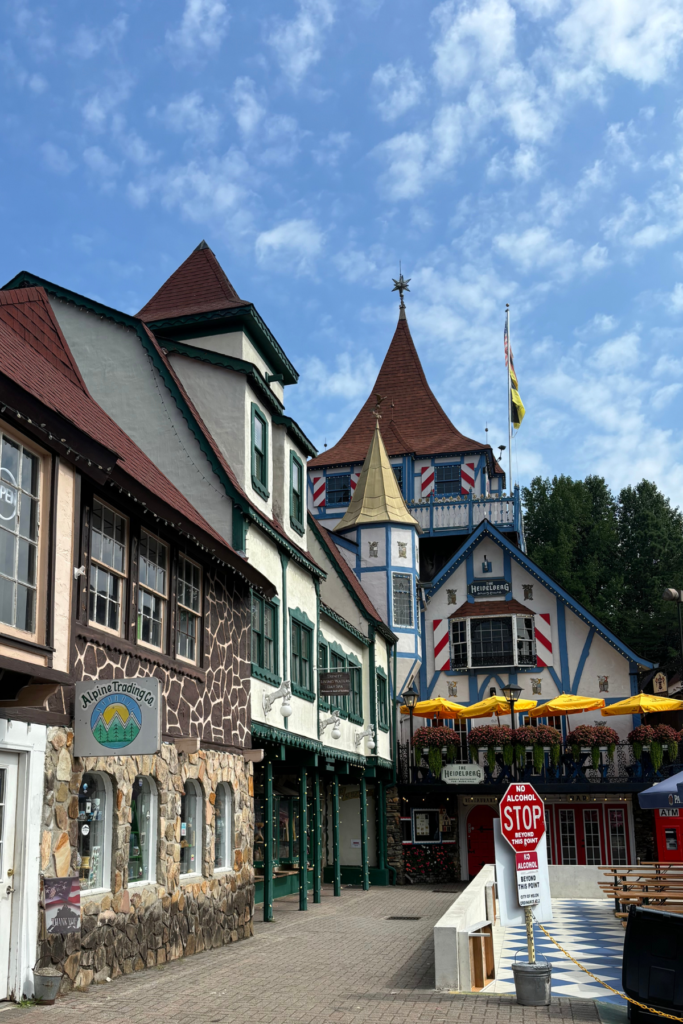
(413, 422)
(24, 311)
(65, 393)
(199, 285)
(479, 609)
(337, 557)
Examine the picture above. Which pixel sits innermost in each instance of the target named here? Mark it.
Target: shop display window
(191, 829)
(94, 830)
(223, 809)
(142, 845)
(426, 825)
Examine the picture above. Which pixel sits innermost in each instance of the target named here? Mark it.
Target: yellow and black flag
(517, 409)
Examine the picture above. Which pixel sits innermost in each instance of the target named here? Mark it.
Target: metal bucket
(532, 983)
(46, 982)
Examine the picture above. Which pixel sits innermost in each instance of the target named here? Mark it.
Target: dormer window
(447, 479)
(339, 489)
(494, 641)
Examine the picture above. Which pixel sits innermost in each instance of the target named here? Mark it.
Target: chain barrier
(622, 995)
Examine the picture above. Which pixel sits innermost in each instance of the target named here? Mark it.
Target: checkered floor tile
(585, 928)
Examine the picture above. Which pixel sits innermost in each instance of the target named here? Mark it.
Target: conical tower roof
(414, 422)
(377, 498)
(199, 285)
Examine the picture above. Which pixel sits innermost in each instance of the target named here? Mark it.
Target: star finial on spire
(401, 285)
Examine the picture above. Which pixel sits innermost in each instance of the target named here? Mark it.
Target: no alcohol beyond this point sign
(522, 817)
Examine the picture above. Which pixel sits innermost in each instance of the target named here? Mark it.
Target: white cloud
(104, 102)
(57, 158)
(618, 354)
(330, 149)
(665, 395)
(537, 248)
(601, 323)
(88, 42)
(202, 29)
(350, 379)
(99, 163)
(248, 109)
(473, 37)
(280, 138)
(298, 44)
(620, 141)
(675, 299)
(594, 259)
(296, 243)
(396, 89)
(188, 115)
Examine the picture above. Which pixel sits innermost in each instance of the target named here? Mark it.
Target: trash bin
(532, 983)
(652, 969)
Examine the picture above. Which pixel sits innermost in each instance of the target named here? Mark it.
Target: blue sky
(521, 151)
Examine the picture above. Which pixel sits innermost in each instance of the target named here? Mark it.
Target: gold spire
(377, 498)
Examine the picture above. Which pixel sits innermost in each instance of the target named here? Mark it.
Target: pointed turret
(199, 285)
(414, 422)
(377, 498)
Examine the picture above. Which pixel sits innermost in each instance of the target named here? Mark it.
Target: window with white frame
(94, 830)
(223, 837)
(108, 566)
(191, 829)
(494, 641)
(189, 609)
(152, 590)
(402, 590)
(19, 521)
(143, 842)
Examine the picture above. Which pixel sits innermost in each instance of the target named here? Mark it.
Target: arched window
(143, 831)
(223, 858)
(191, 829)
(94, 830)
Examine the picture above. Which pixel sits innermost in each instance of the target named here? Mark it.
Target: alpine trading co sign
(489, 588)
(117, 716)
(462, 773)
(522, 817)
(335, 684)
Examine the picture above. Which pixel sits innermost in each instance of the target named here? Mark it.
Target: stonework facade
(128, 928)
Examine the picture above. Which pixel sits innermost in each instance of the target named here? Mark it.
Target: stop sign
(522, 817)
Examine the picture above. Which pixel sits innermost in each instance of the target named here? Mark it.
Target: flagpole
(509, 394)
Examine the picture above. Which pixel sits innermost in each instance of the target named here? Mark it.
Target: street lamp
(671, 594)
(410, 699)
(512, 692)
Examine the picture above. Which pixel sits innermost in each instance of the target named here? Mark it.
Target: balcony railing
(452, 514)
(622, 768)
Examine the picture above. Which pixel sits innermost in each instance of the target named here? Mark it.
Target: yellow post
(529, 919)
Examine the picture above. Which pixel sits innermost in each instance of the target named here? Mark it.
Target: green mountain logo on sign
(116, 721)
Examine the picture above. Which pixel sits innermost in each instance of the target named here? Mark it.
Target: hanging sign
(659, 683)
(459, 773)
(117, 716)
(489, 588)
(62, 901)
(335, 684)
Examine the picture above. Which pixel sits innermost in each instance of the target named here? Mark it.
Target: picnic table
(655, 883)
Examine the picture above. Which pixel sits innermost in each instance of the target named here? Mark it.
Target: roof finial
(401, 286)
(376, 411)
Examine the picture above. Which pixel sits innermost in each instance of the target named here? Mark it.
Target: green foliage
(435, 761)
(613, 554)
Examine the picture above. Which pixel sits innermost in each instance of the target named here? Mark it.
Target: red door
(480, 849)
(669, 829)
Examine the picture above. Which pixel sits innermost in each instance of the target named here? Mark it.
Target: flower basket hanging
(433, 739)
(489, 737)
(641, 736)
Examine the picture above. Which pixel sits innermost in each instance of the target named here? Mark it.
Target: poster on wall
(62, 900)
(117, 716)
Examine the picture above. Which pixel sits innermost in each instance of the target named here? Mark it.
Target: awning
(495, 706)
(642, 704)
(668, 793)
(436, 708)
(567, 704)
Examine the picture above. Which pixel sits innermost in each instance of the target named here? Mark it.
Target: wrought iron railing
(622, 767)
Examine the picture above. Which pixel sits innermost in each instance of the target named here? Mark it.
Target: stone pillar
(394, 834)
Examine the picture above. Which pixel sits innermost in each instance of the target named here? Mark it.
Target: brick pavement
(341, 962)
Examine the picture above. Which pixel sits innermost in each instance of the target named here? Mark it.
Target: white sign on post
(511, 913)
(528, 879)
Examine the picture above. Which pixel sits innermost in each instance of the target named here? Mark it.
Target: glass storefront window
(93, 809)
(191, 830)
(142, 846)
(223, 808)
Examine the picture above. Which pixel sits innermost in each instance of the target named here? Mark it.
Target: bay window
(493, 641)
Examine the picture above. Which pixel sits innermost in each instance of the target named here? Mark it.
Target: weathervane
(401, 285)
(376, 411)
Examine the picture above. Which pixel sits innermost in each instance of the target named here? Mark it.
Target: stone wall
(127, 929)
(395, 857)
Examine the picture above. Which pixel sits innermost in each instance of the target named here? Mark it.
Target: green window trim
(297, 501)
(382, 701)
(301, 656)
(259, 457)
(264, 639)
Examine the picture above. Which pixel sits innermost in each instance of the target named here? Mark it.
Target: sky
(527, 152)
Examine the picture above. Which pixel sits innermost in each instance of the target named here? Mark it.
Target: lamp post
(410, 699)
(512, 693)
(671, 594)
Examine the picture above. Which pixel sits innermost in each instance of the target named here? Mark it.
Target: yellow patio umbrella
(567, 704)
(642, 704)
(495, 706)
(436, 708)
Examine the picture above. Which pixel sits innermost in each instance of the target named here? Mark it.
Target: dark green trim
(296, 615)
(317, 646)
(273, 678)
(373, 678)
(297, 524)
(303, 840)
(252, 372)
(331, 614)
(378, 762)
(382, 721)
(363, 799)
(259, 485)
(335, 835)
(25, 279)
(316, 841)
(379, 625)
(284, 562)
(245, 316)
(280, 737)
(268, 844)
(265, 676)
(301, 691)
(240, 526)
(296, 433)
(352, 874)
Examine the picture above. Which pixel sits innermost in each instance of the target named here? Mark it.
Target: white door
(9, 765)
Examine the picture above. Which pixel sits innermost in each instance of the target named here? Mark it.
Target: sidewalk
(360, 957)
